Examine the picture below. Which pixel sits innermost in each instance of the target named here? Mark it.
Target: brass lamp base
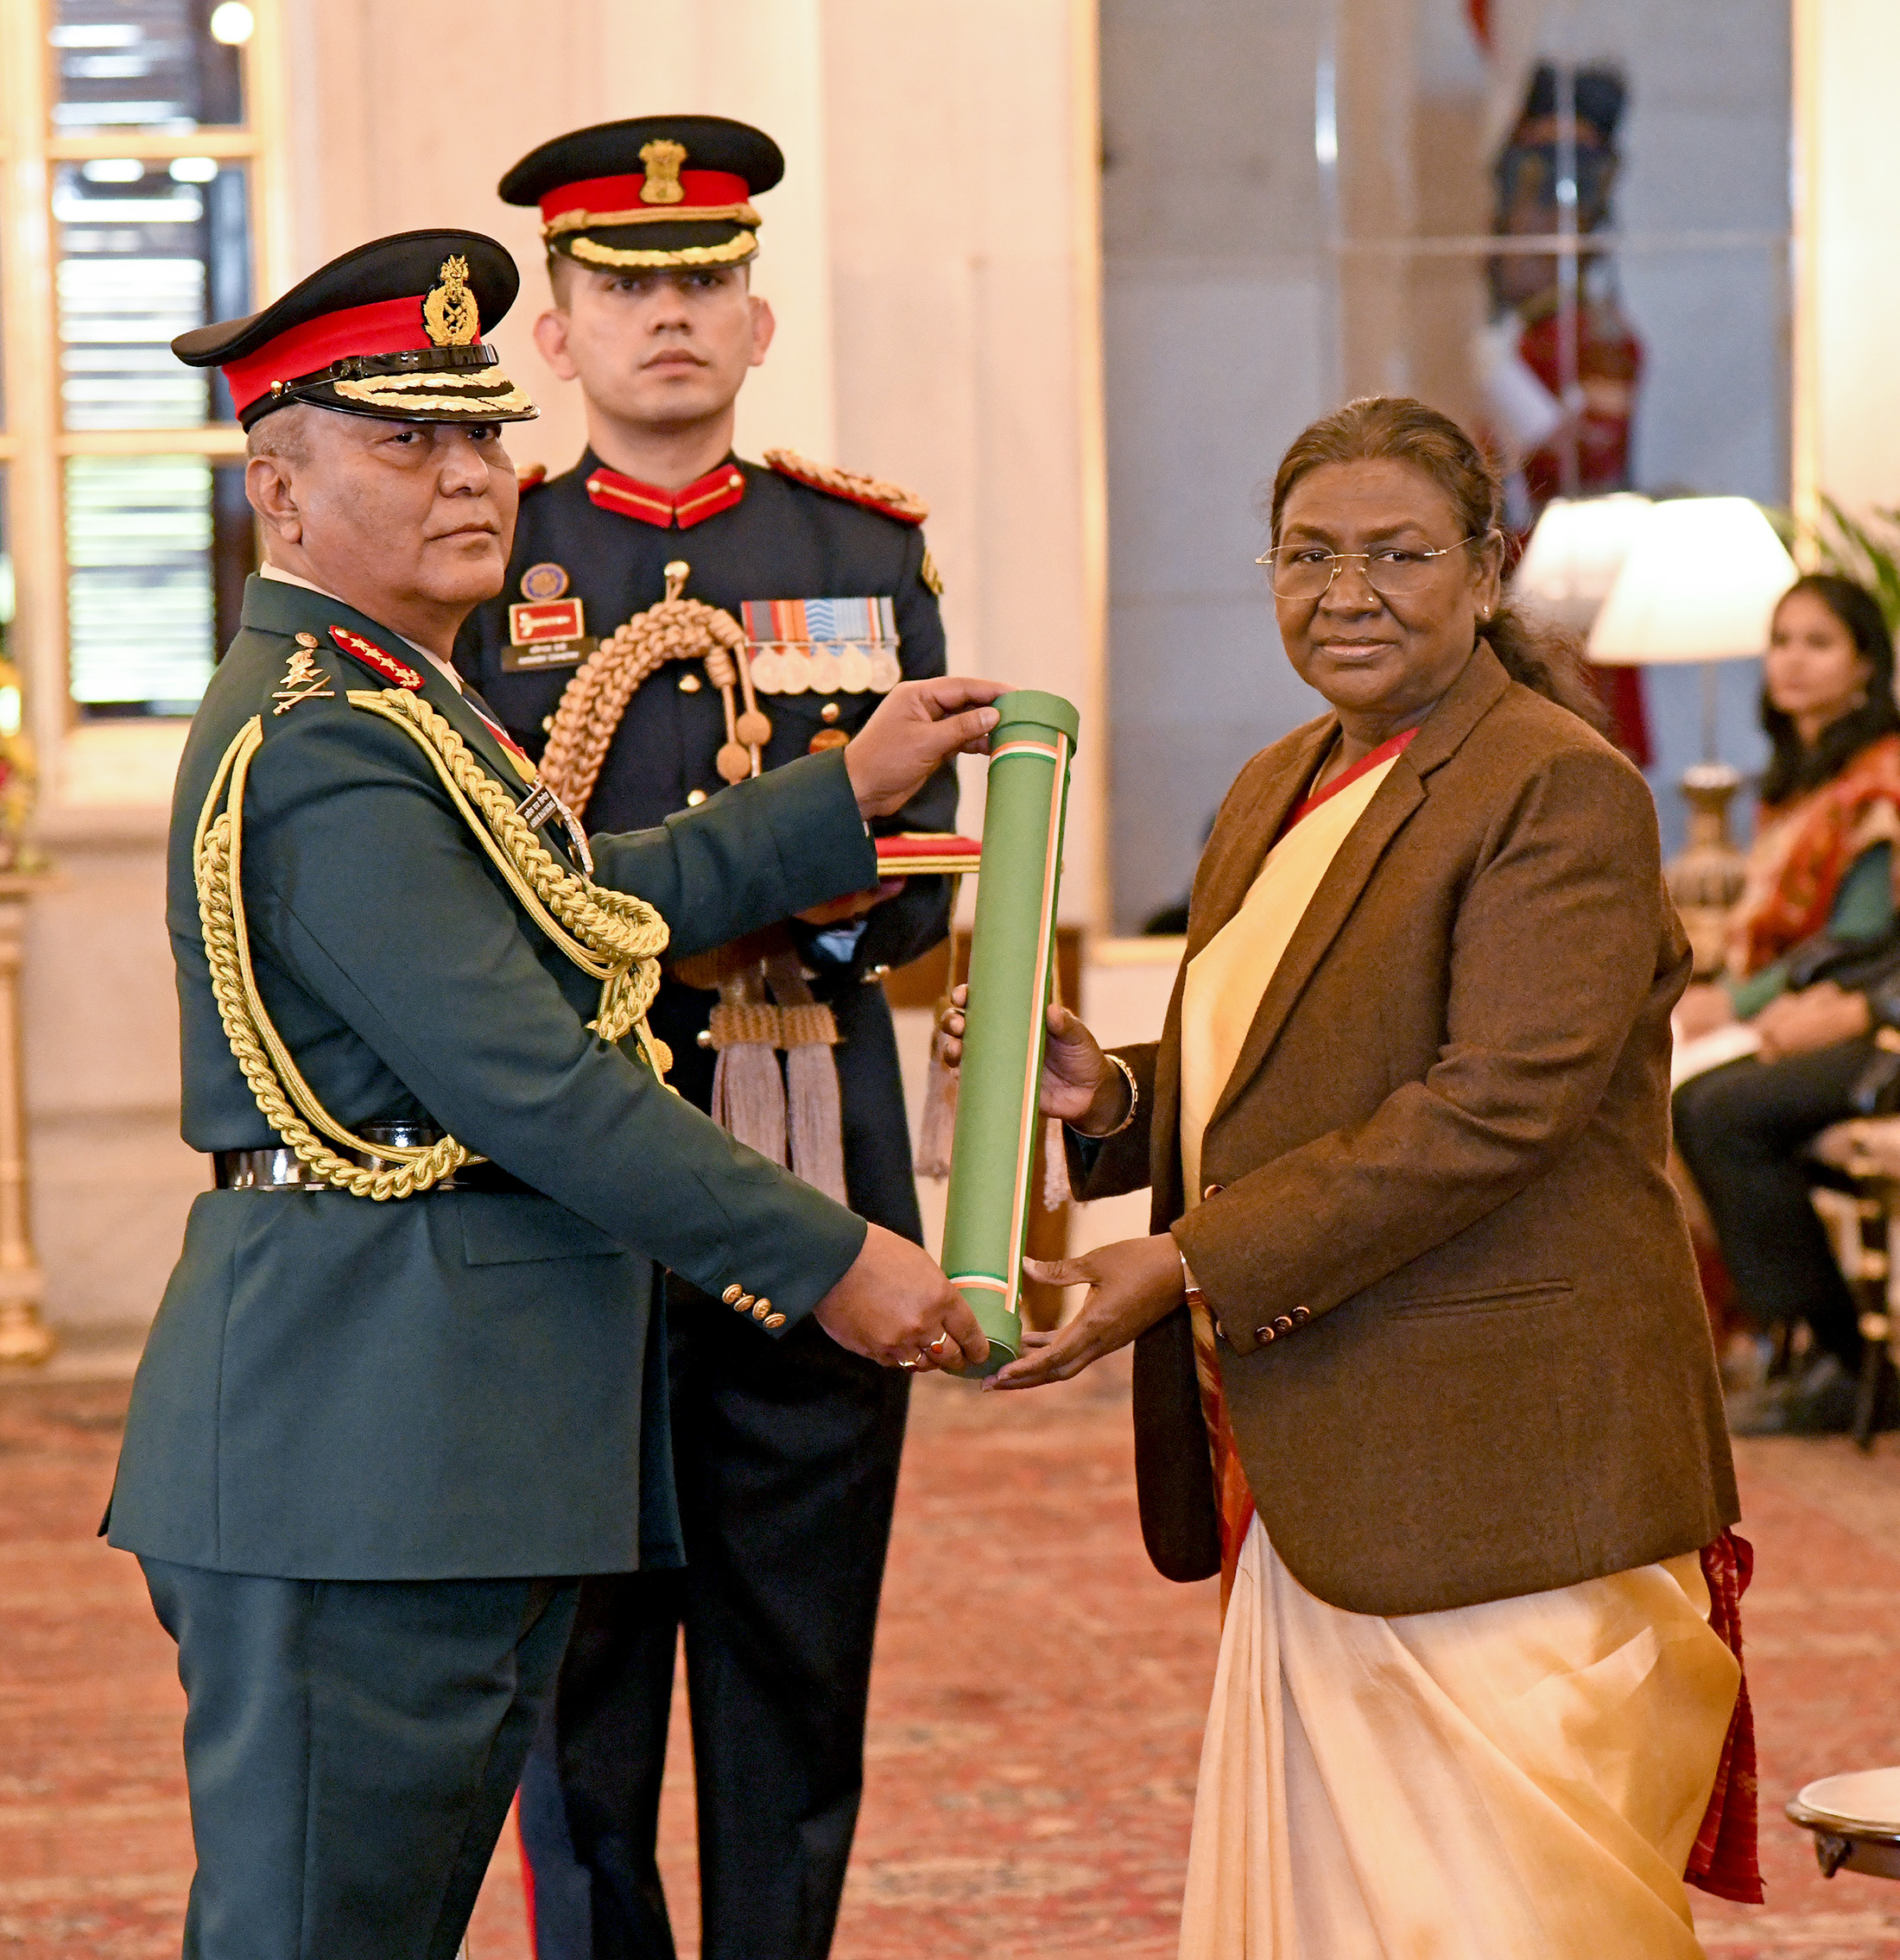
(25, 1339)
(1706, 877)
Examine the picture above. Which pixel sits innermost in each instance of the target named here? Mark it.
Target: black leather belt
(283, 1170)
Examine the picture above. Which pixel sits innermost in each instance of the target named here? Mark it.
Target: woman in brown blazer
(1405, 1128)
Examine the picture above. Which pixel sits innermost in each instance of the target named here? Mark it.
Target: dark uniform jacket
(781, 539)
(1462, 1342)
(448, 1386)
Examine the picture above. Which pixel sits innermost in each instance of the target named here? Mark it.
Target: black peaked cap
(431, 365)
(612, 149)
(409, 262)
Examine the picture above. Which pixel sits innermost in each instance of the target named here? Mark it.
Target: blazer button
(1301, 1315)
(730, 1296)
(1283, 1323)
(1264, 1334)
(743, 1303)
(1212, 1190)
(775, 1321)
(761, 1309)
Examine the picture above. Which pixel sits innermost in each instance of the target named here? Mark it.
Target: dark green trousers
(351, 1748)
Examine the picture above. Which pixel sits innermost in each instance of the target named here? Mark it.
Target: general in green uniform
(403, 1378)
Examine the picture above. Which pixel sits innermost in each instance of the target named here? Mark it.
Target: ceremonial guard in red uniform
(675, 618)
(1588, 455)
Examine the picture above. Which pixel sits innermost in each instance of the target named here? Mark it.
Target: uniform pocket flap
(499, 1229)
(1490, 1299)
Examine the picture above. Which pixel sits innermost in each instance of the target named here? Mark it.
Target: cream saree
(1522, 1778)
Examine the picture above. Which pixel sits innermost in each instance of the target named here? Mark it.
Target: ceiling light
(112, 170)
(194, 169)
(232, 23)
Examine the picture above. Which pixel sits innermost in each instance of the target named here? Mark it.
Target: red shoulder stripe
(372, 655)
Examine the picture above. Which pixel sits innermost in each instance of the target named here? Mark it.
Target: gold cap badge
(449, 312)
(662, 158)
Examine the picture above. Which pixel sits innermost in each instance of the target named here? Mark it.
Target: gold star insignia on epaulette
(303, 681)
(930, 575)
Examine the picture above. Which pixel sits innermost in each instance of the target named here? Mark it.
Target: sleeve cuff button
(730, 1296)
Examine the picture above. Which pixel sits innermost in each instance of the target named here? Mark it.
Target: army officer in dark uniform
(787, 1472)
(392, 1407)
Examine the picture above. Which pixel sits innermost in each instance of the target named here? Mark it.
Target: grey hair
(283, 435)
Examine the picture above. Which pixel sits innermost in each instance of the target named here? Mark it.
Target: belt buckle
(267, 1170)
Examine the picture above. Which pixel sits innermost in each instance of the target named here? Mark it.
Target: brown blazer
(1444, 1141)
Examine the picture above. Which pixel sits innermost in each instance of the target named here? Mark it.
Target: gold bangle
(1134, 1104)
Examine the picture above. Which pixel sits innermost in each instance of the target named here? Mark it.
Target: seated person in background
(1819, 895)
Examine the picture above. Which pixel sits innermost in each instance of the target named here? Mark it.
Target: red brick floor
(1036, 1718)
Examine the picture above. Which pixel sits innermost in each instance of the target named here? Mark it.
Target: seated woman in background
(1820, 884)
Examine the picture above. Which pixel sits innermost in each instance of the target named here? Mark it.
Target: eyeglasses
(1305, 571)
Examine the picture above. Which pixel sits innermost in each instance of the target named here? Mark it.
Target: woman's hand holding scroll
(1131, 1284)
(1078, 1084)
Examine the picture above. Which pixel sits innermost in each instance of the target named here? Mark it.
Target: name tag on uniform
(822, 646)
(552, 633)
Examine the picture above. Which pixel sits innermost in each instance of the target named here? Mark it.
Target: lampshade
(1575, 553)
(1699, 583)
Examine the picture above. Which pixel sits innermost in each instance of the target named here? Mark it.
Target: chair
(1858, 1195)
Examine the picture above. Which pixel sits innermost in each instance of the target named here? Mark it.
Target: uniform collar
(717, 489)
(289, 605)
(283, 578)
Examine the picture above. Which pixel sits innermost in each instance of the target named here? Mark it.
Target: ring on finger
(941, 1344)
(907, 1364)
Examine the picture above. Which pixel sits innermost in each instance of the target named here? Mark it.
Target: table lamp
(1575, 552)
(1700, 582)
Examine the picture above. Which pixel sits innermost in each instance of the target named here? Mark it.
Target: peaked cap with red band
(656, 191)
(392, 329)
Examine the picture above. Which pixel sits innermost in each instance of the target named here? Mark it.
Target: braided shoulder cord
(612, 936)
(674, 629)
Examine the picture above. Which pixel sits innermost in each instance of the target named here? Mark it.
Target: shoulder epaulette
(533, 477)
(888, 500)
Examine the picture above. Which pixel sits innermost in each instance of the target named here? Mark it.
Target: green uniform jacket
(453, 1385)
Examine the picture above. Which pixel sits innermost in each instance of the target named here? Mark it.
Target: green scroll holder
(993, 1151)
